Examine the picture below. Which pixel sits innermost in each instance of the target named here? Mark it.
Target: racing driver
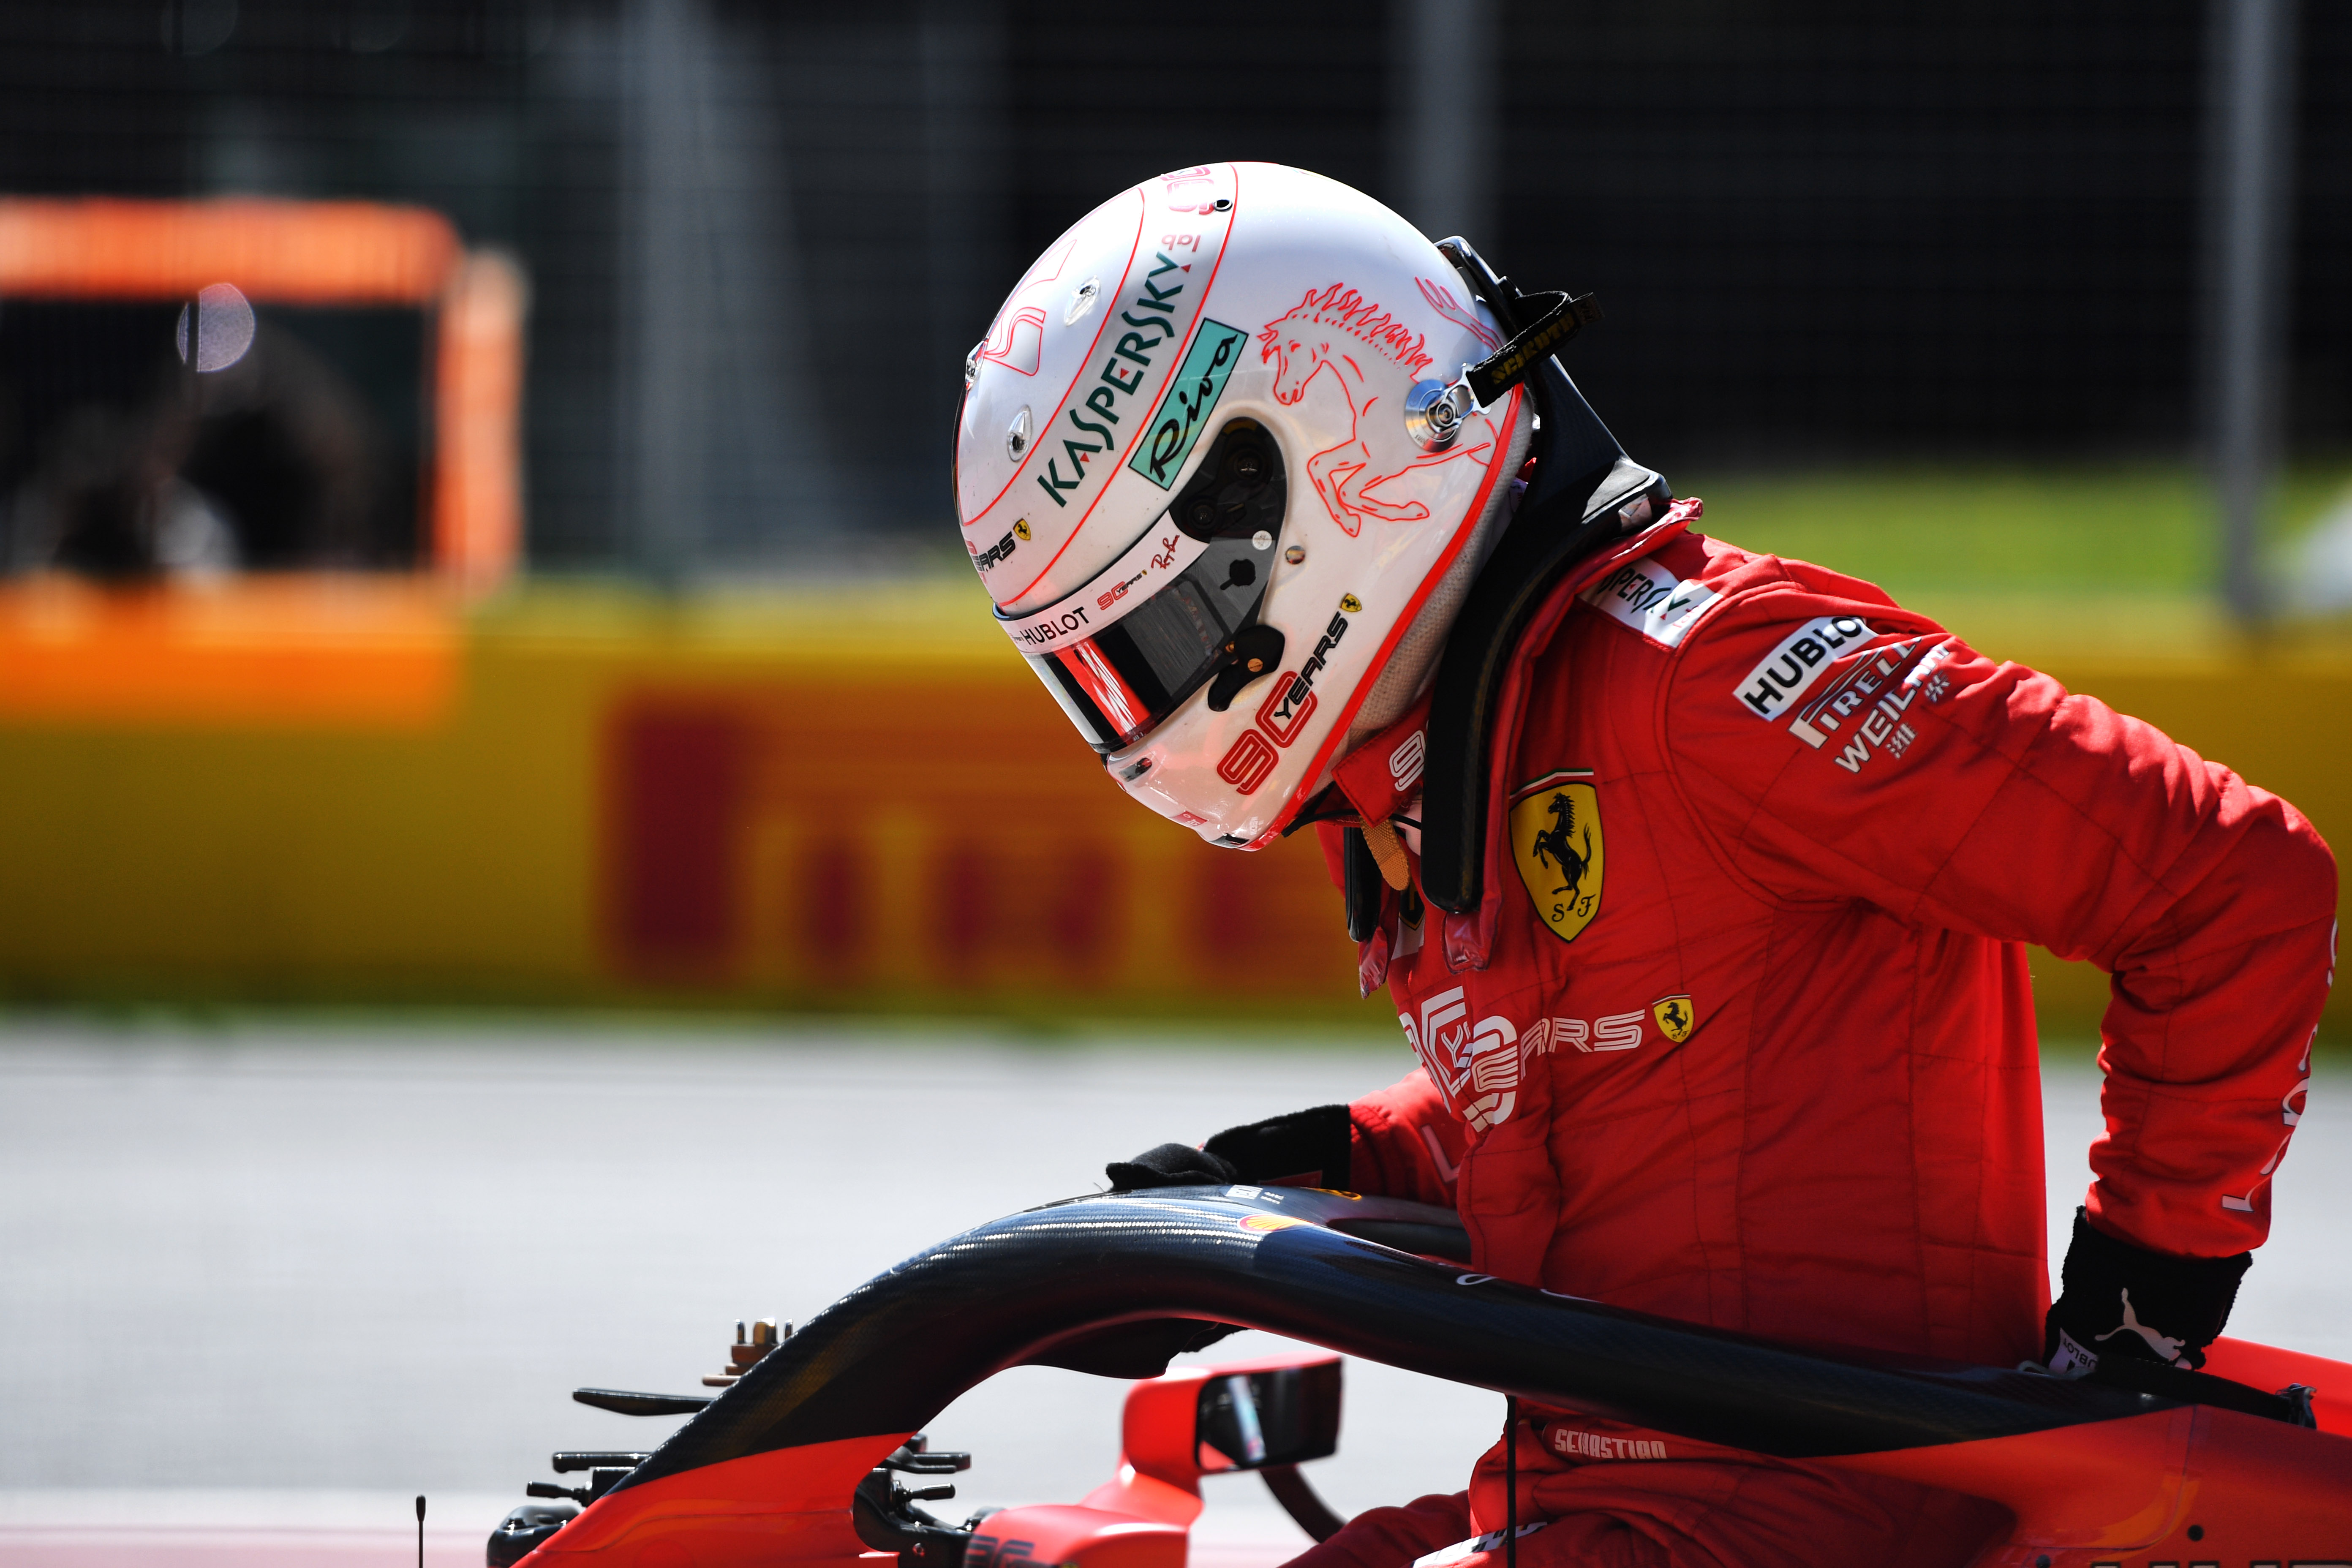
(1700, 879)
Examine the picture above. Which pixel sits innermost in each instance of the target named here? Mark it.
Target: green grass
(2122, 530)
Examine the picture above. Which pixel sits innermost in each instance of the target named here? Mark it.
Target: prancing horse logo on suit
(1556, 842)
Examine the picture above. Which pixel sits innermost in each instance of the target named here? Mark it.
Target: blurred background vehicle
(474, 533)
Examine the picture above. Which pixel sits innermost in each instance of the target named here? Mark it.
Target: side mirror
(1254, 1420)
(1267, 1416)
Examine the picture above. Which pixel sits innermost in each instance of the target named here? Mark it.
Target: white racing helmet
(1209, 469)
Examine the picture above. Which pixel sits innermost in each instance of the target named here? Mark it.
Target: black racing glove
(1308, 1148)
(2121, 1300)
(1169, 1166)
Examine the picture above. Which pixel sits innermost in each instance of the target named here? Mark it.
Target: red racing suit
(1742, 1033)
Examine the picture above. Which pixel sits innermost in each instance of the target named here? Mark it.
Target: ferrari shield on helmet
(1215, 468)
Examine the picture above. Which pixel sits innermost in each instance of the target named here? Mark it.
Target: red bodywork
(2128, 1492)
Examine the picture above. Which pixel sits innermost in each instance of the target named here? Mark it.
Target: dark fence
(761, 237)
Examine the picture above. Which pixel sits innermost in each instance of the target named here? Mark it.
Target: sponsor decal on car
(1644, 596)
(1555, 842)
(989, 1552)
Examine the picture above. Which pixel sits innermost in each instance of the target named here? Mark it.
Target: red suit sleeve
(1403, 1143)
(1836, 747)
(1392, 1537)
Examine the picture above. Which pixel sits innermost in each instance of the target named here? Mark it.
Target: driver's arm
(1997, 803)
(1403, 1143)
(1400, 1143)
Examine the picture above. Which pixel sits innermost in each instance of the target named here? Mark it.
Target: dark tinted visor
(1203, 570)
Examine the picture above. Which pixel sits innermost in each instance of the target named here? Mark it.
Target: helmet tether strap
(1509, 365)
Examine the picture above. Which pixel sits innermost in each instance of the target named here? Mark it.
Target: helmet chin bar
(1584, 493)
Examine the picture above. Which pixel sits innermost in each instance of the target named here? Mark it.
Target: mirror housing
(1195, 1421)
(1253, 1419)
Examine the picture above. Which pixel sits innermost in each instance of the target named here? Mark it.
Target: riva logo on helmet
(1151, 331)
(1803, 654)
(1184, 411)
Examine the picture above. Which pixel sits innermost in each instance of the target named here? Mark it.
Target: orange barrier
(273, 652)
(477, 401)
(324, 254)
(295, 253)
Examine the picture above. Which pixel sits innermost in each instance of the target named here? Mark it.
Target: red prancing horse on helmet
(1301, 345)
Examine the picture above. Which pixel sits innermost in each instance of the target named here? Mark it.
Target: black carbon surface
(890, 1355)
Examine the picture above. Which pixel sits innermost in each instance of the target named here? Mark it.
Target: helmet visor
(1123, 652)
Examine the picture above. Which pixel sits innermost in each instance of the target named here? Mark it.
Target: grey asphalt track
(313, 1260)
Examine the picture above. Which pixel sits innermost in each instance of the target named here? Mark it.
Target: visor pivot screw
(1433, 412)
(1257, 666)
(1295, 554)
(1261, 540)
(1202, 514)
(1247, 463)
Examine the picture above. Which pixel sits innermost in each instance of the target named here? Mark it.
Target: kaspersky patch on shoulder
(1644, 596)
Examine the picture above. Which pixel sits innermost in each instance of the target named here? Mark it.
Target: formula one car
(798, 1461)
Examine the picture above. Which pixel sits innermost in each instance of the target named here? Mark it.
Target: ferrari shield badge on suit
(1556, 842)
